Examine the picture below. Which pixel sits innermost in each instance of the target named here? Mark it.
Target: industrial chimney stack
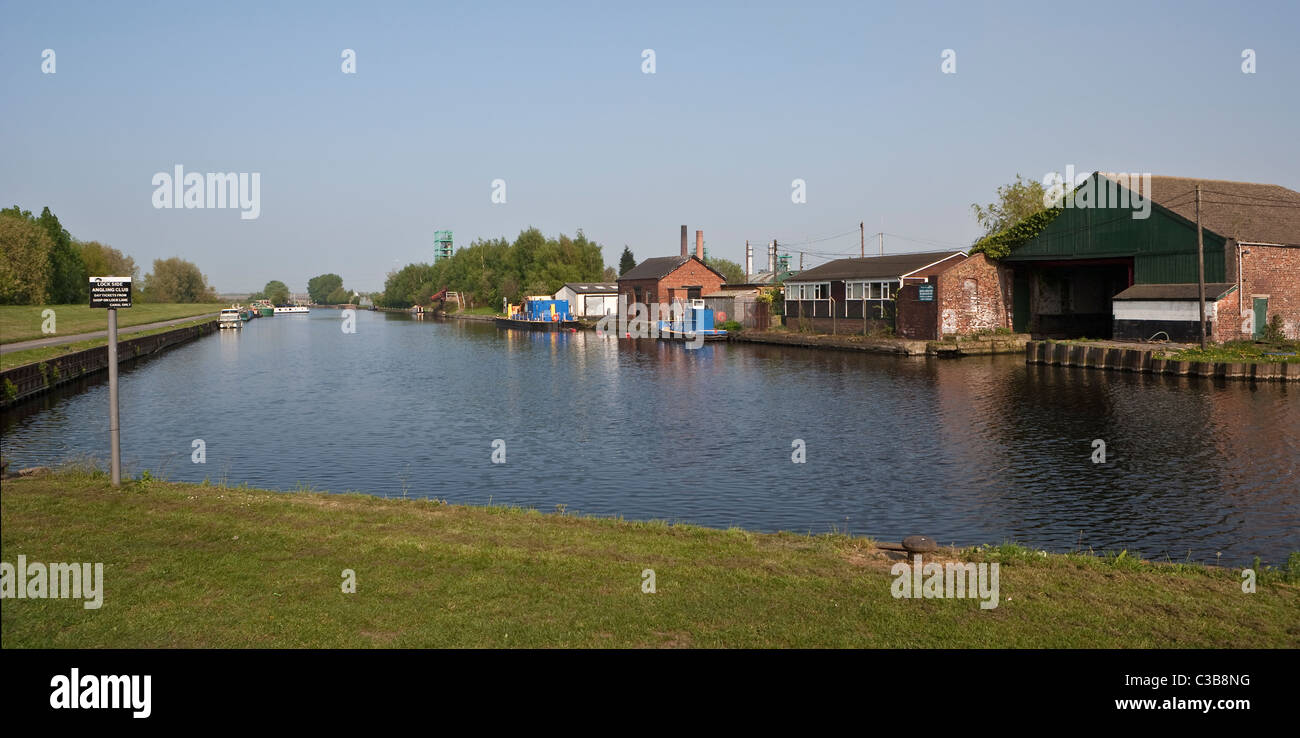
(749, 260)
(699, 245)
(683, 242)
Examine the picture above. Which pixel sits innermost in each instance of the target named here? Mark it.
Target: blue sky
(357, 171)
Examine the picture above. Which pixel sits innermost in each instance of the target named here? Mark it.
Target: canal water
(968, 451)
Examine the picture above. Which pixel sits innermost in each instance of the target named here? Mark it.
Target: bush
(731, 326)
(1273, 331)
(998, 245)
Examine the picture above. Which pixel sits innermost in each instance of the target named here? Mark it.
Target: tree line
(42, 264)
(488, 270)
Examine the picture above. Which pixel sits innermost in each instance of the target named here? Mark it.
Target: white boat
(292, 309)
(230, 318)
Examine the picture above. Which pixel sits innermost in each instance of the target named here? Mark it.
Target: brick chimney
(699, 245)
(683, 242)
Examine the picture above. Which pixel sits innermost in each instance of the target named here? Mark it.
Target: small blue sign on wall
(925, 293)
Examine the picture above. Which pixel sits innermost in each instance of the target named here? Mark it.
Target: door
(1020, 302)
(1261, 317)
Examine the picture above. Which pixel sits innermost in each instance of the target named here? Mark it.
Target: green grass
(23, 322)
(189, 565)
(1239, 351)
(45, 353)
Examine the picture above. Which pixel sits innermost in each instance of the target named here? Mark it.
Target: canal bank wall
(29, 380)
(1145, 361)
(1009, 344)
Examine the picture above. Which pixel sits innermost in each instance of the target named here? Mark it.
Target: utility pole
(1200, 265)
(801, 261)
(882, 243)
(862, 241)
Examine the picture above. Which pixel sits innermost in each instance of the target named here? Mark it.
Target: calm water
(966, 451)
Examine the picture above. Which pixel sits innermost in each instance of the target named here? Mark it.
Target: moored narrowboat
(541, 313)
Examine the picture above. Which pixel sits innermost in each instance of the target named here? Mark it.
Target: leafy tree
(339, 296)
(320, 287)
(609, 275)
(488, 270)
(401, 288)
(731, 271)
(1015, 202)
(277, 292)
(176, 280)
(626, 261)
(24, 259)
(68, 281)
(102, 260)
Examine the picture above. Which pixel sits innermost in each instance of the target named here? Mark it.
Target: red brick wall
(973, 296)
(672, 287)
(1227, 323)
(692, 273)
(1273, 271)
(970, 296)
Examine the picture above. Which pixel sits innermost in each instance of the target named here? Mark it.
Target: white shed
(590, 299)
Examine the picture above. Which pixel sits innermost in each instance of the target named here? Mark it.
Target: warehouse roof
(585, 288)
(1245, 211)
(891, 266)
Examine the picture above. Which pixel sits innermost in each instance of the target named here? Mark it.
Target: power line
(1250, 204)
(929, 241)
(819, 240)
(1291, 201)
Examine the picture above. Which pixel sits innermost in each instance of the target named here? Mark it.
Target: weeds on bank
(1123, 560)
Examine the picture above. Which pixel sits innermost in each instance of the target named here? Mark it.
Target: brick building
(667, 279)
(960, 296)
(1077, 276)
(857, 295)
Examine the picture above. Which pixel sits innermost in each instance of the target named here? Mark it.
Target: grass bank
(1240, 351)
(45, 353)
(190, 565)
(481, 310)
(23, 322)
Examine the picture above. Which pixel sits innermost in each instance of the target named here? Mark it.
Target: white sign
(110, 292)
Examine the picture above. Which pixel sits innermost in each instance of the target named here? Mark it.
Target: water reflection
(967, 451)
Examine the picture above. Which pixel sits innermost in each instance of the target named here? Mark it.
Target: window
(821, 290)
(866, 291)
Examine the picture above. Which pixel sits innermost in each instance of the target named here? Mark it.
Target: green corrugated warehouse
(1106, 240)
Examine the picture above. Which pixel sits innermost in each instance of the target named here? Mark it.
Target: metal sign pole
(112, 293)
(114, 437)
